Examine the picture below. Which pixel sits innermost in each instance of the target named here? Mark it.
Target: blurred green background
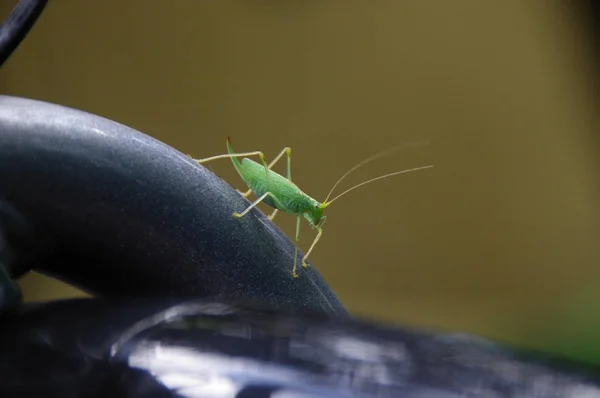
(501, 238)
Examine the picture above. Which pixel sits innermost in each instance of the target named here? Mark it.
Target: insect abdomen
(289, 195)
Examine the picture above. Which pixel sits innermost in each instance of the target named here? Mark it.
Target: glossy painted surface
(127, 215)
(143, 348)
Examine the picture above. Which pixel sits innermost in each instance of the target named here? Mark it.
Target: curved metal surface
(171, 348)
(18, 23)
(127, 215)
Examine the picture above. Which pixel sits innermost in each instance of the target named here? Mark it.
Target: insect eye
(316, 205)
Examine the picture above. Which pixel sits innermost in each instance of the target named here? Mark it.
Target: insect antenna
(375, 179)
(372, 158)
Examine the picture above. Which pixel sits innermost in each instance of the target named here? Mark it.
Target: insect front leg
(304, 263)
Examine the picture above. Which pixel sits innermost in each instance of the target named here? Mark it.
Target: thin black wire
(16, 26)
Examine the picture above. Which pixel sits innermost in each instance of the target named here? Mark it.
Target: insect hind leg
(272, 215)
(253, 205)
(298, 222)
(287, 151)
(228, 155)
(270, 198)
(245, 194)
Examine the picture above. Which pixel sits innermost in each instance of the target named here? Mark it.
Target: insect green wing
(291, 198)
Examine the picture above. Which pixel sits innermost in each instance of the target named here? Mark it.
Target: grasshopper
(283, 195)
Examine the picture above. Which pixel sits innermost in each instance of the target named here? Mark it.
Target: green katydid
(283, 195)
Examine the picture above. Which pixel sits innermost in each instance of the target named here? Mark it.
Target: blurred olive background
(501, 238)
